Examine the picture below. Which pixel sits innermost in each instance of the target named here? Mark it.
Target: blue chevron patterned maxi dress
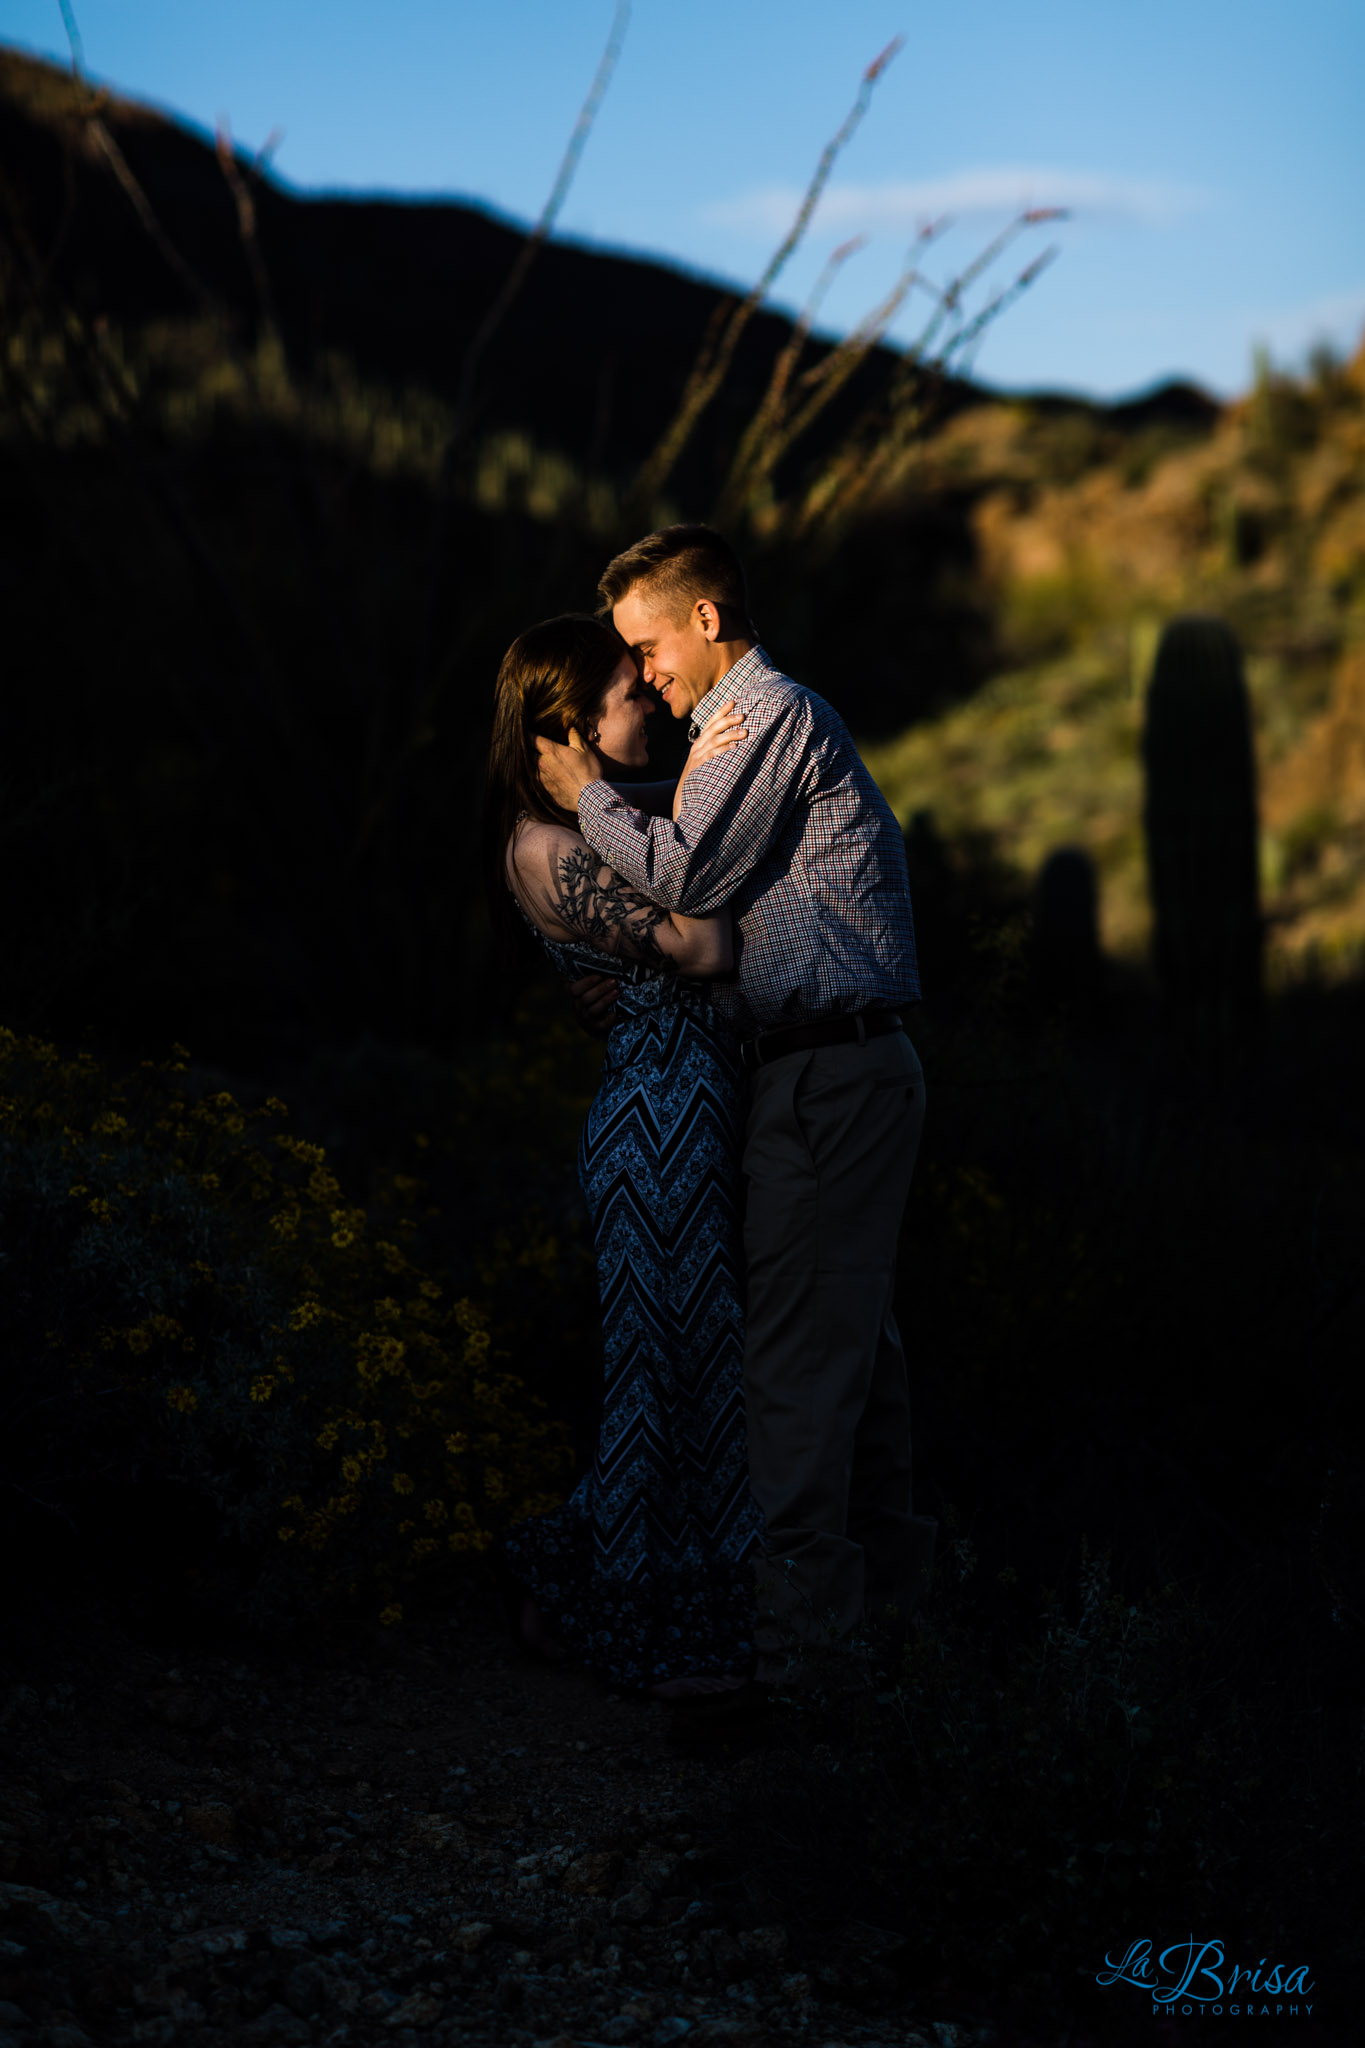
(645, 1570)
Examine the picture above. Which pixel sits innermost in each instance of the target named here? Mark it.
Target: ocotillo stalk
(1200, 820)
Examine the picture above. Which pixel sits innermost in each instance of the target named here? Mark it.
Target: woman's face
(618, 731)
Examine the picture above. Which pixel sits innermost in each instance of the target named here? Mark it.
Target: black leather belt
(851, 1030)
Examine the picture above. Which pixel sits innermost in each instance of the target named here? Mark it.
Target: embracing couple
(747, 935)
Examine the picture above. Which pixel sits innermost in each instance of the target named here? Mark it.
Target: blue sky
(1212, 151)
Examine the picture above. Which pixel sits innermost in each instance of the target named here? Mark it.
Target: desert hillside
(1085, 543)
(241, 425)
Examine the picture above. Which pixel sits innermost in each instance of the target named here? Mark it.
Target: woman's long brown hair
(552, 681)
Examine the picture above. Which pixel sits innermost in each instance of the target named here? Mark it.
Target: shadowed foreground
(399, 1840)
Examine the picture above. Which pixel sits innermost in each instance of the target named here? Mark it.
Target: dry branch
(702, 387)
(122, 170)
(246, 228)
(538, 236)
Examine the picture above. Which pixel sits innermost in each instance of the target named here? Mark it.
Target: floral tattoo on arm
(598, 903)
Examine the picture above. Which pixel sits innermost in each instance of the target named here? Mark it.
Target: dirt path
(419, 1839)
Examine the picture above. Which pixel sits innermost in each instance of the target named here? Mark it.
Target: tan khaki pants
(829, 1151)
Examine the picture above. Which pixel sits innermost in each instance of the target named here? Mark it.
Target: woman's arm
(570, 892)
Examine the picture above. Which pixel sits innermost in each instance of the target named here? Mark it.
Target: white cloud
(904, 205)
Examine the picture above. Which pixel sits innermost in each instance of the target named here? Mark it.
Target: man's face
(677, 655)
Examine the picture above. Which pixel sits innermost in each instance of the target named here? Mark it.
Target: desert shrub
(192, 1299)
(1035, 1776)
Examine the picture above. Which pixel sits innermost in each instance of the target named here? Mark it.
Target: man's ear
(708, 618)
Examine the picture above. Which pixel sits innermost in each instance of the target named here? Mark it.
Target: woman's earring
(592, 739)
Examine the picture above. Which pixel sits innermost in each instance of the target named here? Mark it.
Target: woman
(644, 1571)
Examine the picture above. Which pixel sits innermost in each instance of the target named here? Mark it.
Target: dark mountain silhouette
(249, 650)
(590, 358)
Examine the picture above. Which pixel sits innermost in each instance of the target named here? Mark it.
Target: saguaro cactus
(1066, 932)
(1200, 820)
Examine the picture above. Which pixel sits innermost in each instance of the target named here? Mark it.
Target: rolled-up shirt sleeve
(733, 806)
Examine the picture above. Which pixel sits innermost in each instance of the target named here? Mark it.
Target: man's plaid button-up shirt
(790, 832)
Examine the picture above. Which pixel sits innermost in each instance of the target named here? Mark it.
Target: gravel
(412, 1838)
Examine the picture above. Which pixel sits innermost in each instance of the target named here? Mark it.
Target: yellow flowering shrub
(202, 1294)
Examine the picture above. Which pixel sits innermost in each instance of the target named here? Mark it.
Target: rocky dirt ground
(419, 1838)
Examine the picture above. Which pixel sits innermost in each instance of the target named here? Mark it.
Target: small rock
(593, 1873)
(212, 1822)
(439, 1832)
(221, 1941)
(66, 2034)
(10, 1951)
(633, 1906)
(288, 1937)
(155, 2033)
(182, 1707)
(325, 1932)
(670, 2030)
(421, 2010)
(471, 1936)
(14, 1897)
(307, 1988)
(766, 1942)
(380, 2003)
(12, 2015)
(860, 1939)
(63, 1919)
(623, 2028)
(276, 2023)
(729, 1960)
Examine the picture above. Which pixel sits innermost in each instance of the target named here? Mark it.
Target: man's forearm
(650, 852)
(654, 798)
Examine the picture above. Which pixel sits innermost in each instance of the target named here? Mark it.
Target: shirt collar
(744, 671)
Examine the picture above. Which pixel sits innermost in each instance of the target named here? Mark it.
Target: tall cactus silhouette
(1199, 816)
(1067, 959)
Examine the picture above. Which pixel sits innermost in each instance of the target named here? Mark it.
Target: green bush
(191, 1298)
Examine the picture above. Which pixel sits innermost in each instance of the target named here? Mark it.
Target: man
(789, 831)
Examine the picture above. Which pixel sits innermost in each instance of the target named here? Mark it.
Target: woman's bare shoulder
(538, 855)
(543, 841)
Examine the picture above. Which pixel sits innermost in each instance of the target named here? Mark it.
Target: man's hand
(564, 771)
(594, 1003)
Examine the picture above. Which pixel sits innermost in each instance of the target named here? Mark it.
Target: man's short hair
(679, 565)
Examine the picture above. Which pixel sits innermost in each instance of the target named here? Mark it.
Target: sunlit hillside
(1086, 548)
(235, 420)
